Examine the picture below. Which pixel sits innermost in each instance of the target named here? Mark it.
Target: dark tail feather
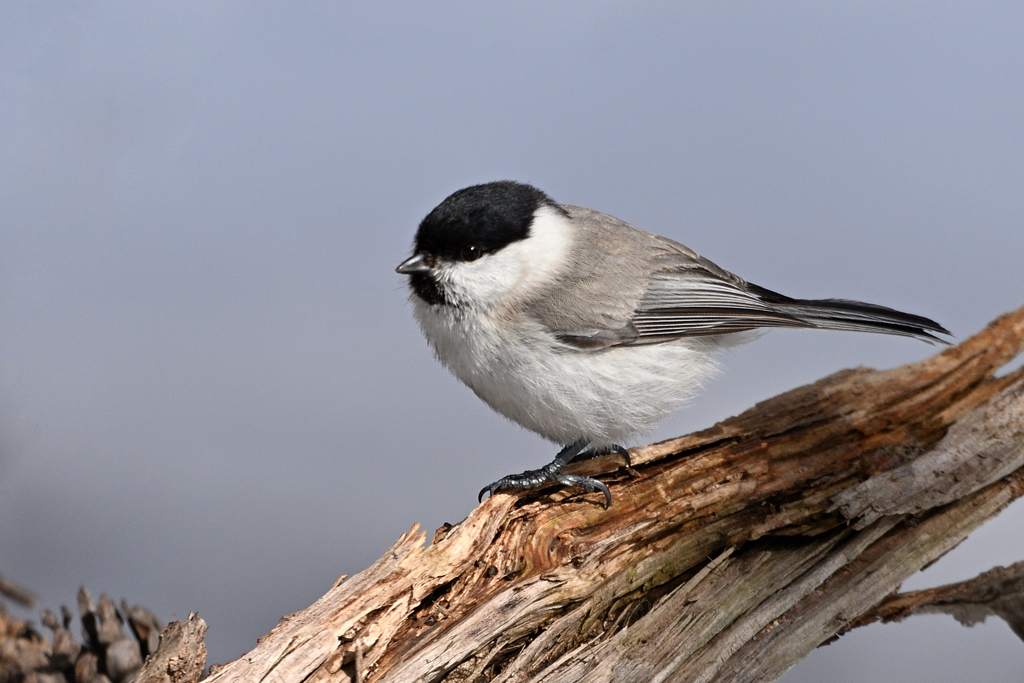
(855, 316)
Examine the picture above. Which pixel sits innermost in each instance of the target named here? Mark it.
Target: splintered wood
(726, 555)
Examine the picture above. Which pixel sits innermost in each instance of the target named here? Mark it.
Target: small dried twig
(997, 592)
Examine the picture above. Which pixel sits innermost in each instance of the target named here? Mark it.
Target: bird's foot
(532, 479)
(552, 473)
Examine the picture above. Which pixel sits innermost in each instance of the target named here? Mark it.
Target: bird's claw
(532, 479)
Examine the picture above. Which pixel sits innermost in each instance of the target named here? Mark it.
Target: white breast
(563, 393)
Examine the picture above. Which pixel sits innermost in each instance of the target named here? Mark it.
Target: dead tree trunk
(726, 555)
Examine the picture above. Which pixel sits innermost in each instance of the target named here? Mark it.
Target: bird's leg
(568, 454)
(590, 453)
(552, 474)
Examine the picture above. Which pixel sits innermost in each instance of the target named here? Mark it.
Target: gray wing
(632, 287)
(693, 297)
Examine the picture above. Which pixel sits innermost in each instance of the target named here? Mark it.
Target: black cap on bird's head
(470, 223)
(478, 220)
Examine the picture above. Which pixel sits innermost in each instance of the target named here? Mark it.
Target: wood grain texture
(726, 555)
(181, 655)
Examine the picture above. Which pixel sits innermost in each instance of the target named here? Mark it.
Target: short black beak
(413, 264)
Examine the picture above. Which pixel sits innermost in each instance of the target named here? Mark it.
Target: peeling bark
(726, 555)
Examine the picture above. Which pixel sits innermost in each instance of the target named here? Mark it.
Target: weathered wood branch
(726, 555)
(181, 654)
(998, 592)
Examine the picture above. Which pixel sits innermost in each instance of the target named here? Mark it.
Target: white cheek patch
(515, 271)
(545, 250)
(479, 283)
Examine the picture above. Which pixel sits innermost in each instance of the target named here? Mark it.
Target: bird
(585, 329)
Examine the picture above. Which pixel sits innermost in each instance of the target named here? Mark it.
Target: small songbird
(584, 329)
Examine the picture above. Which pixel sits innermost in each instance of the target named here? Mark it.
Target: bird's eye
(471, 253)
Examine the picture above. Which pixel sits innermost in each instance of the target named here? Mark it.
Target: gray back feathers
(630, 287)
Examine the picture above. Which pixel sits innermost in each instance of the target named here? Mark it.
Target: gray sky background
(213, 396)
